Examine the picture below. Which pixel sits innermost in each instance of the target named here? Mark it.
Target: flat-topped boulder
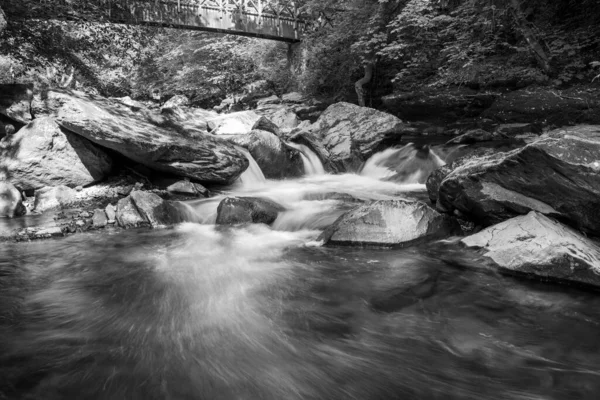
(44, 154)
(145, 138)
(558, 177)
(389, 223)
(539, 247)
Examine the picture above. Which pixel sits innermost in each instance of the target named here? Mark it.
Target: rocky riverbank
(94, 163)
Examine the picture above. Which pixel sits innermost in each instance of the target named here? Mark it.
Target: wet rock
(190, 120)
(240, 210)
(43, 154)
(11, 204)
(283, 117)
(145, 138)
(539, 247)
(99, 219)
(474, 136)
(275, 159)
(148, 209)
(127, 214)
(556, 177)
(293, 97)
(434, 180)
(176, 101)
(36, 233)
(188, 188)
(517, 129)
(268, 100)
(389, 223)
(111, 213)
(15, 102)
(49, 198)
(350, 134)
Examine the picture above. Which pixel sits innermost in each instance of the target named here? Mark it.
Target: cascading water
(312, 164)
(253, 176)
(405, 165)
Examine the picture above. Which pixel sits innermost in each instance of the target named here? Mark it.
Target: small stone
(79, 188)
(99, 220)
(111, 213)
(85, 214)
(80, 223)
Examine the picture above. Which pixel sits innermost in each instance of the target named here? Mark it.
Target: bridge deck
(267, 19)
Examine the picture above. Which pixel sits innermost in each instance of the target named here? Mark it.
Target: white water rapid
(253, 176)
(312, 164)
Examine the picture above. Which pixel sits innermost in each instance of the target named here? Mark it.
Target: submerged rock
(539, 247)
(11, 204)
(43, 154)
(145, 138)
(350, 134)
(240, 210)
(389, 223)
(556, 177)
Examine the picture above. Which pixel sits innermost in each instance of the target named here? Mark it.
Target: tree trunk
(358, 86)
(534, 44)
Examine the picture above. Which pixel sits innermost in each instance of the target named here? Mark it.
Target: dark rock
(350, 134)
(556, 177)
(539, 247)
(49, 198)
(389, 223)
(434, 181)
(474, 136)
(11, 204)
(240, 210)
(43, 154)
(516, 129)
(15, 102)
(145, 138)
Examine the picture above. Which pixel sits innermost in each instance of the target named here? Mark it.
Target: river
(252, 312)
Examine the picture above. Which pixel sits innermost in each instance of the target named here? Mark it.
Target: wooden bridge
(267, 19)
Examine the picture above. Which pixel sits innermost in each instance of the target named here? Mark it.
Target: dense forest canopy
(390, 44)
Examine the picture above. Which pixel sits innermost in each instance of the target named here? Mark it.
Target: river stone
(240, 210)
(540, 247)
(389, 223)
(53, 197)
(111, 213)
(127, 214)
(15, 102)
(43, 154)
(143, 208)
(99, 219)
(268, 100)
(11, 204)
(275, 159)
(556, 177)
(145, 138)
(188, 188)
(293, 98)
(434, 180)
(176, 101)
(351, 134)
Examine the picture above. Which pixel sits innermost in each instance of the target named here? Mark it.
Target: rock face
(538, 246)
(140, 138)
(389, 223)
(49, 198)
(147, 209)
(10, 201)
(275, 159)
(556, 177)
(43, 154)
(15, 102)
(241, 210)
(350, 134)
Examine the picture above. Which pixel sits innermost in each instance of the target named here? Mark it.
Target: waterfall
(253, 176)
(312, 164)
(408, 164)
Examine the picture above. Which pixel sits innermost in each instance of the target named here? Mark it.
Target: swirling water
(252, 312)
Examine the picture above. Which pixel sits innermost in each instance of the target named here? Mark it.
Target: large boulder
(537, 246)
(389, 223)
(11, 204)
(275, 159)
(44, 154)
(558, 177)
(242, 210)
(15, 102)
(350, 134)
(282, 116)
(140, 137)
